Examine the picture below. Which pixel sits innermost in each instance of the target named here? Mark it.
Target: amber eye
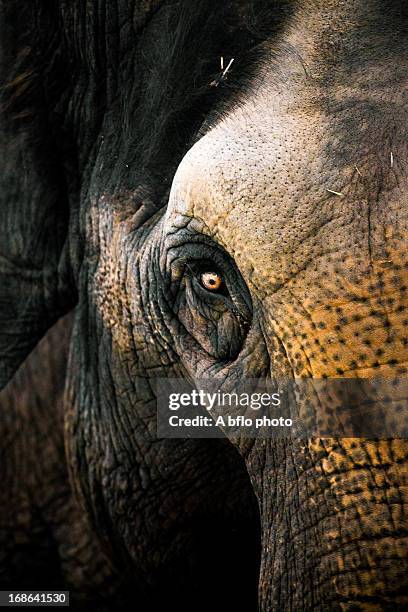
(212, 281)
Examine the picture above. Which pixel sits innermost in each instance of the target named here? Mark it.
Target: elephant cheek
(346, 320)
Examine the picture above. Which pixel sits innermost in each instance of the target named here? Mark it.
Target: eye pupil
(211, 281)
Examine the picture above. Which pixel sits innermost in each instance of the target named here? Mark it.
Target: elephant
(205, 192)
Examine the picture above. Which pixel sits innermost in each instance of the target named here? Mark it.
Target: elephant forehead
(278, 198)
(311, 164)
(246, 186)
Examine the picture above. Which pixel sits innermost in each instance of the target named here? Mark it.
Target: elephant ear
(36, 280)
(34, 285)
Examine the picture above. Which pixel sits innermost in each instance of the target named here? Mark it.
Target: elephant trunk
(333, 529)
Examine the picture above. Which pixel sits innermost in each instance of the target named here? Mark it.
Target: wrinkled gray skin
(47, 541)
(309, 273)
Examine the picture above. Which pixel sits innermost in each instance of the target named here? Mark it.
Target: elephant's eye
(209, 297)
(212, 281)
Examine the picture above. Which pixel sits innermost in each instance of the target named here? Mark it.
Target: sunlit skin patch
(366, 483)
(212, 281)
(347, 319)
(335, 323)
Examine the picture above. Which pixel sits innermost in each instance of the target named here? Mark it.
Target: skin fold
(289, 181)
